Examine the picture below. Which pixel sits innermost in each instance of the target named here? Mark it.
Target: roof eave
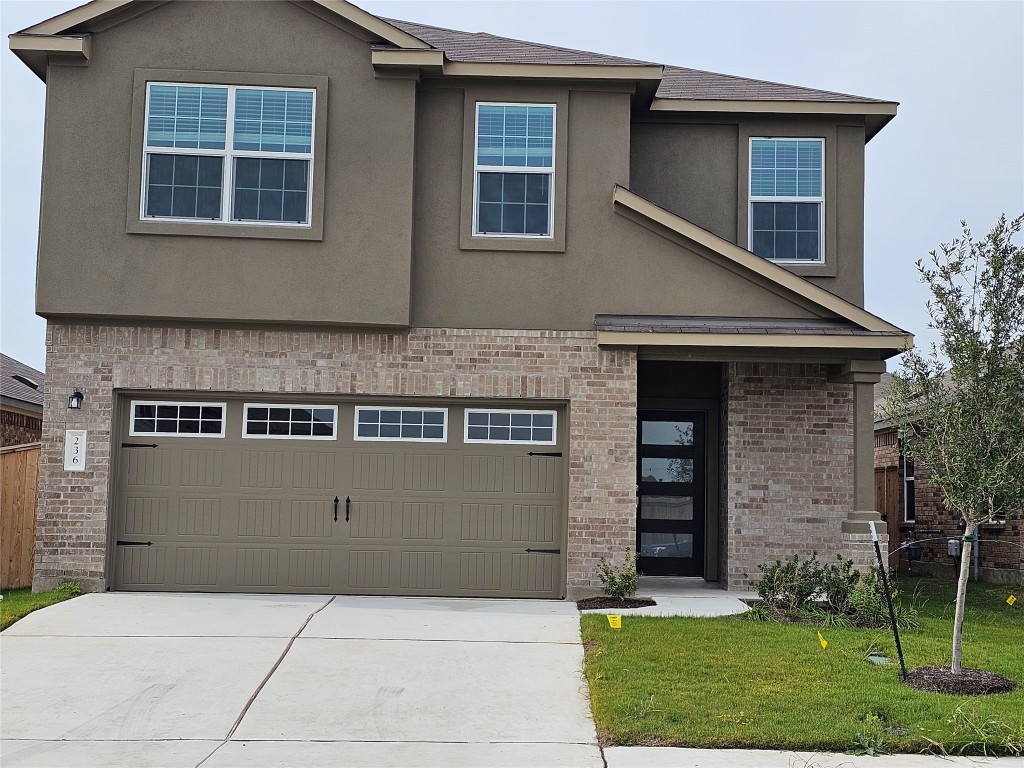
(888, 345)
(35, 49)
(435, 61)
(876, 113)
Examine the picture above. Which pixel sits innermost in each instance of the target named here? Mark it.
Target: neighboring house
(912, 505)
(367, 306)
(21, 402)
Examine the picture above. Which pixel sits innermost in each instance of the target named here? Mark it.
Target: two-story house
(364, 306)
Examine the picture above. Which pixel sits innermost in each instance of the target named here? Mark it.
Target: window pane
(271, 120)
(666, 507)
(667, 433)
(666, 544)
(502, 203)
(666, 470)
(260, 185)
(183, 186)
(186, 116)
(787, 167)
(367, 430)
(515, 135)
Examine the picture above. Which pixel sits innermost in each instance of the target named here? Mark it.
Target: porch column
(857, 544)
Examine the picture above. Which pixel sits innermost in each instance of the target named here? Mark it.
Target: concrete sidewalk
(172, 680)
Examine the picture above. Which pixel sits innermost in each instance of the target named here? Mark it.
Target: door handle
(335, 509)
(348, 503)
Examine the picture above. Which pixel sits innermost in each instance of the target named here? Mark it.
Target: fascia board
(80, 15)
(765, 269)
(776, 106)
(753, 340)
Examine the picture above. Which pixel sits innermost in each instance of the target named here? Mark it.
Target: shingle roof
(683, 83)
(677, 82)
(484, 47)
(18, 390)
(760, 325)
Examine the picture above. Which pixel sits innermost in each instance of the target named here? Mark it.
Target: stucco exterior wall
(698, 168)
(599, 387)
(789, 465)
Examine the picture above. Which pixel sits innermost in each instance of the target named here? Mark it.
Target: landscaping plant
(958, 408)
(619, 581)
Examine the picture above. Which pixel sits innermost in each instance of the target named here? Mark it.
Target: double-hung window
(228, 154)
(787, 203)
(514, 170)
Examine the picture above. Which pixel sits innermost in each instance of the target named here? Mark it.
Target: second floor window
(787, 203)
(224, 153)
(514, 170)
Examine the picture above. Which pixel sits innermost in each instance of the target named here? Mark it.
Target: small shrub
(787, 587)
(838, 580)
(619, 581)
(68, 588)
(868, 608)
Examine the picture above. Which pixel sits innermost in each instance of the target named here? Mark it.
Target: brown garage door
(254, 496)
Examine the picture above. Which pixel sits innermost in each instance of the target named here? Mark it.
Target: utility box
(953, 547)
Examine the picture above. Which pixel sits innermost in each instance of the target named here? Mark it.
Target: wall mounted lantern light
(75, 400)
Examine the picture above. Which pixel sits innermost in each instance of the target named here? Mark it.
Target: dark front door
(672, 503)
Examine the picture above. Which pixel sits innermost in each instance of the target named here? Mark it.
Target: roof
(480, 47)
(17, 388)
(735, 325)
(677, 88)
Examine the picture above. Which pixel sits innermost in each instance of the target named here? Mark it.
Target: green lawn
(730, 682)
(18, 603)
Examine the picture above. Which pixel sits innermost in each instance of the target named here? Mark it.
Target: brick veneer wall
(789, 452)
(599, 386)
(18, 429)
(1002, 546)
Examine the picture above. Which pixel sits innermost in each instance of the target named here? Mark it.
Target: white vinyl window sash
(220, 177)
(514, 170)
(786, 207)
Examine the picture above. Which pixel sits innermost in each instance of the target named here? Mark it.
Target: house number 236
(76, 442)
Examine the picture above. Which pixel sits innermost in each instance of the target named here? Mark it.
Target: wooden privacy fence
(19, 489)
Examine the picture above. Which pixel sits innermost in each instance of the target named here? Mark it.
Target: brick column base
(857, 543)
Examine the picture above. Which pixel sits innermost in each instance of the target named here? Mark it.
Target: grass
(730, 682)
(18, 603)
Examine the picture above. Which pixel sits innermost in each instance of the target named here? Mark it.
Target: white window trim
(478, 169)
(245, 421)
(554, 426)
(360, 408)
(752, 198)
(223, 419)
(229, 154)
(908, 483)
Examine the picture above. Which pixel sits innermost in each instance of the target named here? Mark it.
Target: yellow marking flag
(1011, 599)
(615, 621)
(822, 641)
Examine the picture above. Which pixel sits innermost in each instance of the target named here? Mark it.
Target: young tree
(959, 409)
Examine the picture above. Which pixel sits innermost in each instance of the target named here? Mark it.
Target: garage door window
(290, 422)
(428, 425)
(150, 417)
(487, 426)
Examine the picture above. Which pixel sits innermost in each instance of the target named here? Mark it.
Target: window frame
(488, 441)
(403, 409)
(229, 155)
(245, 421)
(549, 171)
(141, 225)
(909, 500)
(820, 199)
(223, 418)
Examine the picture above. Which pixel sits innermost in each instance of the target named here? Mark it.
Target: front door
(672, 498)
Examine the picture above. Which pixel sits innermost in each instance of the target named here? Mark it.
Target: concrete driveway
(237, 680)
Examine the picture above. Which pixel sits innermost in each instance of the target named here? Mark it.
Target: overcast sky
(956, 149)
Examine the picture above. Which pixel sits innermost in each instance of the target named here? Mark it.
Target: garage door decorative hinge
(546, 551)
(138, 445)
(121, 543)
(551, 454)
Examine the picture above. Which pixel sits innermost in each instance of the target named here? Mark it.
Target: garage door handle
(348, 503)
(546, 551)
(335, 509)
(552, 454)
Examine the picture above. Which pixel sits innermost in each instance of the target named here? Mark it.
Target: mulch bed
(614, 602)
(970, 682)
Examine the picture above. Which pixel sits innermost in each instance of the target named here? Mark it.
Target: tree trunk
(970, 529)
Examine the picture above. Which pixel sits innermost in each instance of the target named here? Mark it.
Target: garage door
(340, 498)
